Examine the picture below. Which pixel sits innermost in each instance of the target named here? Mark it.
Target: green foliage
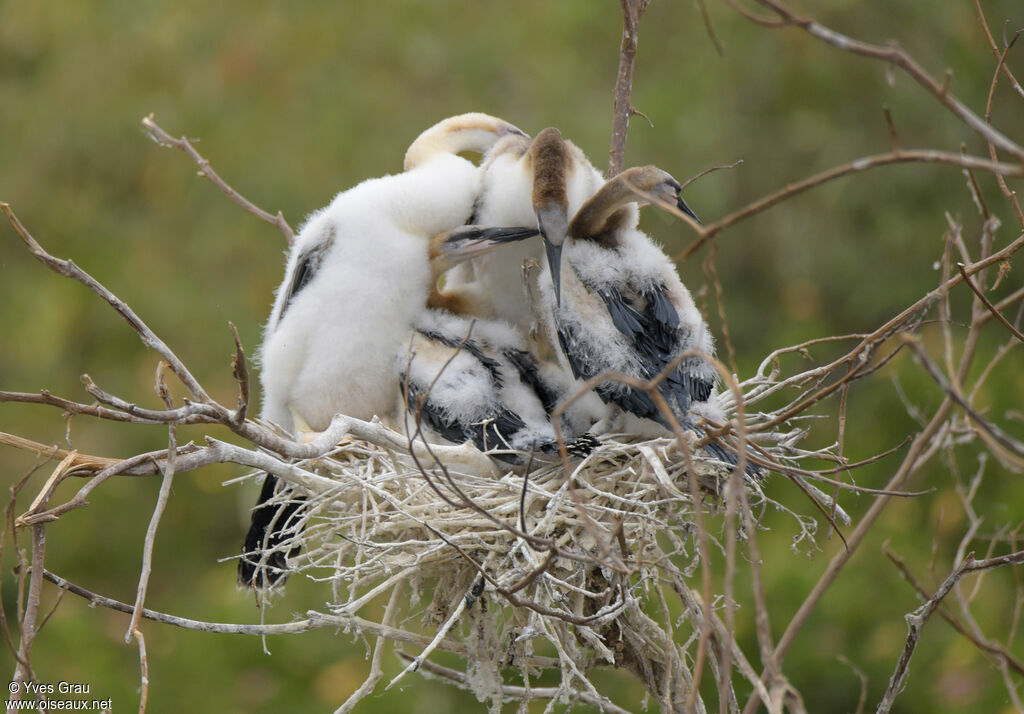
(294, 102)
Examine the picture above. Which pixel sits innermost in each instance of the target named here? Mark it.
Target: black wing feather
(529, 375)
(306, 268)
(491, 365)
(625, 317)
(492, 433)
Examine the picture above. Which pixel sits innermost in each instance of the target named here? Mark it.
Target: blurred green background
(293, 102)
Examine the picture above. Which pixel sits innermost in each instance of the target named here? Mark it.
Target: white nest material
(559, 577)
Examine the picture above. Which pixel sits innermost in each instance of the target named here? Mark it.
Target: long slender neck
(550, 166)
(466, 132)
(602, 212)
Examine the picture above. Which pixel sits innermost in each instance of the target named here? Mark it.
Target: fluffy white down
(330, 348)
(497, 336)
(638, 264)
(460, 387)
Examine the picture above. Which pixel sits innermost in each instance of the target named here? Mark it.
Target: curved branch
(68, 269)
(164, 139)
(901, 156)
(896, 56)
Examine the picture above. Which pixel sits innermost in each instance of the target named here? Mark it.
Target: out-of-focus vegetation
(292, 103)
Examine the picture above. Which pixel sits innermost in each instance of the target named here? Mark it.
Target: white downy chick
(357, 276)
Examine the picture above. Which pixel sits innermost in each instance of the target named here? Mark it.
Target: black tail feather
(263, 563)
(716, 451)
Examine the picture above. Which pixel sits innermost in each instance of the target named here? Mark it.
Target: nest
(551, 567)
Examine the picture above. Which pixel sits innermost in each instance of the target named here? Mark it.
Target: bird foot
(303, 432)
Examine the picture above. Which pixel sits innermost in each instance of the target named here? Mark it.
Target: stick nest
(554, 570)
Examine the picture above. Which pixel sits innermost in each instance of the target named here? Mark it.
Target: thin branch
(68, 269)
(864, 163)
(164, 139)
(992, 308)
(985, 426)
(985, 646)
(143, 669)
(896, 56)
(917, 619)
(241, 374)
(45, 397)
(158, 510)
(456, 613)
(1000, 56)
(314, 620)
(631, 12)
(22, 670)
(520, 693)
(376, 673)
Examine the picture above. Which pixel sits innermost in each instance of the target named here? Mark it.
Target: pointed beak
(554, 226)
(555, 263)
(470, 241)
(681, 205)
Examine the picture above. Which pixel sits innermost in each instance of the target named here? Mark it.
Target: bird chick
(357, 276)
(613, 301)
(618, 304)
(474, 380)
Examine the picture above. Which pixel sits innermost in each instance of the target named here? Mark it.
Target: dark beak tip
(685, 208)
(554, 253)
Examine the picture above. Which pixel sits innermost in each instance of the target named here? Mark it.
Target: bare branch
(69, 270)
(917, 619)
(22, 670)
(897, 57)
(523, 693)
(902, 156)
(985, 646)
(992, 308)
(631, 12)
(158, 510)
(241, 374)
(164, 139)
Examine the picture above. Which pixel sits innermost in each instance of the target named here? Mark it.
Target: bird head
(652, 181)
(550, 164)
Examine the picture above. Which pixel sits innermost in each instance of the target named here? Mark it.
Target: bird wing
(529, 374)
(263, 562)
(426, 391)
(486, 434)
(306, 267)
(650, 321)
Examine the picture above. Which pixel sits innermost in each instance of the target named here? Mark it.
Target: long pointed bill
(555, 263)
(681, 205)
(468, 242)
